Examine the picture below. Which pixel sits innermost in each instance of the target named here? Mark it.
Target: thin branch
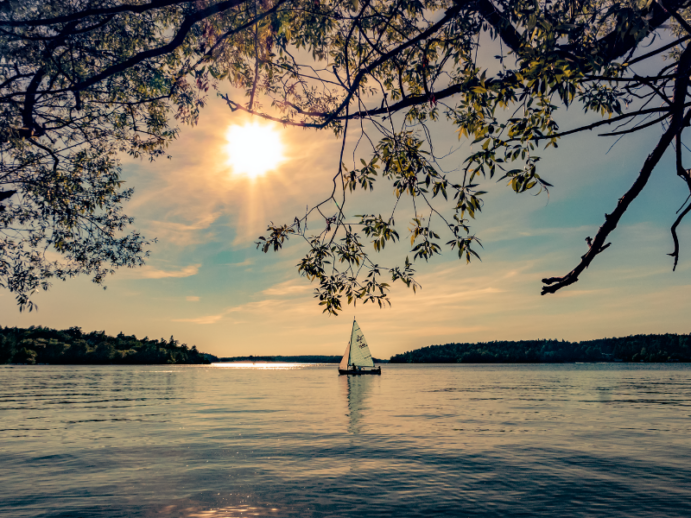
(635, 128)
(675, 253)
(658, 51)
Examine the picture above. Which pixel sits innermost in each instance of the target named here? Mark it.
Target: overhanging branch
(677, 123)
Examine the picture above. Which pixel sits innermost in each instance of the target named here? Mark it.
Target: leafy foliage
(400, 66)
(83, 81)
(72, 346)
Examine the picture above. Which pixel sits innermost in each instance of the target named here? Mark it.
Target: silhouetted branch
(685, 175)
(635, 128)
(678, 122)
(675, 253)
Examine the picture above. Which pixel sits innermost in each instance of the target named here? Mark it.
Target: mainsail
(357, 352)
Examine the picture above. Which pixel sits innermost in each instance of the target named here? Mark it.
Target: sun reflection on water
(265, 365)
(232, 511)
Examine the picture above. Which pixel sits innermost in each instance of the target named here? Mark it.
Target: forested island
(72, 346)
(637, 348)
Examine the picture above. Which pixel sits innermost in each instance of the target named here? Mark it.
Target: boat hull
(361, 371)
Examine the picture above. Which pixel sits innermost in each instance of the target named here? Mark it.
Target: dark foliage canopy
(72, 346)
(82, 81)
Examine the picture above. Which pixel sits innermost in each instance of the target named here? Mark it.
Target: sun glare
(253, 149)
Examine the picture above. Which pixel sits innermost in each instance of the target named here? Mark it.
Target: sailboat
(357, 358)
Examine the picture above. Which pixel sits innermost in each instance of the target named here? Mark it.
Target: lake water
(421, 440)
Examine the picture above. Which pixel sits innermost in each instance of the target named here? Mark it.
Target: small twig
(675, 253)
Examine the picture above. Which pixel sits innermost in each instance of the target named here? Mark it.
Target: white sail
(359, 350)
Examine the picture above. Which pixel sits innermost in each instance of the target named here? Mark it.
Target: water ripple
(456, 440)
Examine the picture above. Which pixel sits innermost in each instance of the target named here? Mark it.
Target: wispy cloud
(192, 298)
(258, 307)
(292, 287)
(246, 262)
(148, 272)
(209, 319)
(185, 233)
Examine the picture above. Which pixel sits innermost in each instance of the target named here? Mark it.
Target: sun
(253, 149)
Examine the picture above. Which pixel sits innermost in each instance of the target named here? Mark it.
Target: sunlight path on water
(265, 365)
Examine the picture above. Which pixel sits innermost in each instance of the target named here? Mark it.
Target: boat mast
(352, 336)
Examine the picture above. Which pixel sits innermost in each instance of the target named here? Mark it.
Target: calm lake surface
(421, 440)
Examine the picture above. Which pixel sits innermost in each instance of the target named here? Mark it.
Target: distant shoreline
(44, 346)
(667, 348)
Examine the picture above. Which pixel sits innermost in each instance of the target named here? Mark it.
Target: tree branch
(92, 12)
(506, 31)
(179, 38)
(616, 46)
(685, 175)
(675, 253)
(676, 125)
(355, 83)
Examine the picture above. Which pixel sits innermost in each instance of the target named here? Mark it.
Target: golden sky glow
(208, 285)
(253, 149)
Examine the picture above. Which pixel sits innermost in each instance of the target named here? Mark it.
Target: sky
(206, 284)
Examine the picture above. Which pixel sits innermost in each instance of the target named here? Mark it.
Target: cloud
(246, 262)
(184, 233)
(255, 308)
(153, 273)
(192, 298)
(209, 319)
(293, 287)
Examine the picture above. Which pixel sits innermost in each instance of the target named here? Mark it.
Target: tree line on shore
(637, 348)
(39, 344)
(72, 346)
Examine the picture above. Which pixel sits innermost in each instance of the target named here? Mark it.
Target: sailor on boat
(357, 358)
